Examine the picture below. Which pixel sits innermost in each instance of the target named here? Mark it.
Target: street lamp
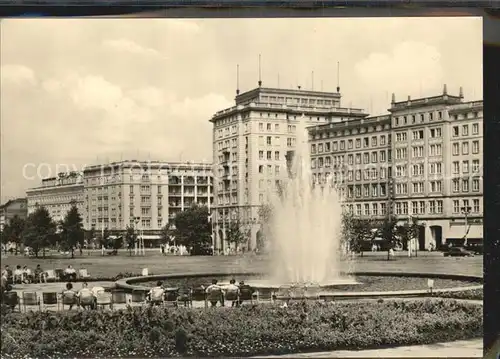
(136, 221)
(466, 211)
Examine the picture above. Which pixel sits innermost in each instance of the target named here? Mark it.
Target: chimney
(445, 90)
(393, 98)
(461, 95)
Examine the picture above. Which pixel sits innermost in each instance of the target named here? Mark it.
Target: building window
(435, 150)
(475, 147)
(349, 144)
(261, 155)
(366, 158)
(358, 210)
(418, 135)
(455, 131)
(414, 207)
(261, 125)
(320, 148)
(269, 140)
(456, 206)
(398, 208)
(455, 149)
(465, 130)
(465, 148)
(456, 185)
(327, 146)
(475, 206)
(358, 158)
(350, 159)
(435, 132)
(366, 142)
(421, 207)
(475, 128)
(465, 166)
(439, 208)
(401, 136)
(405, 207)
(475, 166)
(269, 155)
(382, 140)
(456, 167)
(374, 157)
(367, 209)
(374, 141)
(475, 185)
(432, 207)
(358, 143)
(465, 185)
(277, 155)
(342, 145)
(382, 156)
(417, 151)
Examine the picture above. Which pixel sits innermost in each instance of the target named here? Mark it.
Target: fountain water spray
(306, 225)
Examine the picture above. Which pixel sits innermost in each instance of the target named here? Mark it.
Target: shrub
(246, 331)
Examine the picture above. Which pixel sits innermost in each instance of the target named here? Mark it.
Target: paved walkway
(463, 348)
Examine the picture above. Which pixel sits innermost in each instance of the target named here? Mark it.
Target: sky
(85, 91)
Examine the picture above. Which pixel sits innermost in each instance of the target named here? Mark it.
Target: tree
(13, 231)
(166, 234)
(193, 230)
(388, 230)
(130, 238)
(72, 232)
(39, 231)
(90, 234)
(408, 232)
(361, 231)
(104, 241)
(235, 233)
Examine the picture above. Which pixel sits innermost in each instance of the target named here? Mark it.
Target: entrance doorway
(437, 236)
(421, 238)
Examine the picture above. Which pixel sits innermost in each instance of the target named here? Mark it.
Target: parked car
(458, 252)
(475, 248)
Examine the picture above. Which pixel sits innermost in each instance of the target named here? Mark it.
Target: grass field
(110, 266)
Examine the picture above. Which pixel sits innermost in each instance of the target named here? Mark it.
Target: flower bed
(246, 331)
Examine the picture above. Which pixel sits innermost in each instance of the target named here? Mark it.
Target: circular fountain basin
(354, 286)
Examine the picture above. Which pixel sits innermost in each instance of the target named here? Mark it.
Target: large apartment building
(251, 144)
(424, 160)
(57, 194)
(143, 194)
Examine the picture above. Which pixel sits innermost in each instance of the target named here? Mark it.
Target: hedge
(246, 331)
(471, 294)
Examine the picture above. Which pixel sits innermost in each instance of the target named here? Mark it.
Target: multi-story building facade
(57, 194)
(354, 156)
(431, 169)
(251, 144)
(143, 194)
(11, 208)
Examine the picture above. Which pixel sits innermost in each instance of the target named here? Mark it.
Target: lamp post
(466, 211)
(136, 221)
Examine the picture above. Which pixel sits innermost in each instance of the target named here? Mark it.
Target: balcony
(174, 181)
(189, 181)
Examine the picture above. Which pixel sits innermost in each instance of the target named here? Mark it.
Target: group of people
(21, 275)
(215, 293)
(85, 298)
(180, 250)
(26, 275)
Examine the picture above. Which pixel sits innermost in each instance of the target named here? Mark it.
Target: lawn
(110, 266)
